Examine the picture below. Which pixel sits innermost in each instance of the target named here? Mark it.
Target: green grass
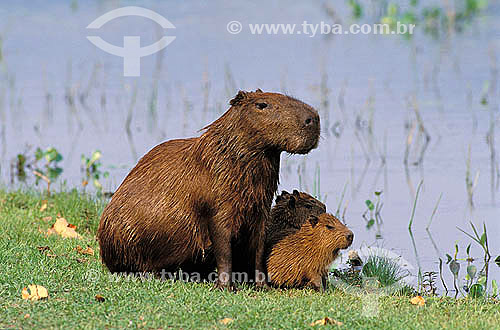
(157, 304)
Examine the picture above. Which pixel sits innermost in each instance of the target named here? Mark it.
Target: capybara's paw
(262, 286)
(223, 286)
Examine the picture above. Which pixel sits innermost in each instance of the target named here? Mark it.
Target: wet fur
(188, 202)
(301, 259)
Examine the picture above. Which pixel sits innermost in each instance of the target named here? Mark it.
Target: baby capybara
(208, 195)
(288, 214)
(301, 259)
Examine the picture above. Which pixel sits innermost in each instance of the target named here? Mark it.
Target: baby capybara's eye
(261, 105)
(308, 206)
(329, 227)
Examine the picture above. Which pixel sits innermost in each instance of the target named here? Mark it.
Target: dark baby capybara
(189, 198)
(301, 259)
(288, 214)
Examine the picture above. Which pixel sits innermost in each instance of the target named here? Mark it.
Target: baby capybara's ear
(238, 99)
(284, 193)
(313, 220)
(258, 90)
(291, 202)
(296, 192)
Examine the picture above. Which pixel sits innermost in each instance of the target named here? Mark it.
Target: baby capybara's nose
(350, 237)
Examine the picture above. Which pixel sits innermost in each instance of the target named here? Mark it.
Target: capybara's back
(191, 198)
(302, 258)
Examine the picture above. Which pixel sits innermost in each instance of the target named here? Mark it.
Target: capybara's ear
(279, 198)
(296, 192)
(239, 98)
(258, 90)
(291, 202)
(285, 193)
(313, 220)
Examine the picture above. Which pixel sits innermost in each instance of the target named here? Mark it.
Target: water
(370, 84)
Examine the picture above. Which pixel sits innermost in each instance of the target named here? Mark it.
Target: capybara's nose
(350, 237)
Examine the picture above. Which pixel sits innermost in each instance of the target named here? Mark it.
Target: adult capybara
(189, 198)
(302, 258)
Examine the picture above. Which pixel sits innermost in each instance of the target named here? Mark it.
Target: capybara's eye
(308, 206)
(329, 227)
(261, 105)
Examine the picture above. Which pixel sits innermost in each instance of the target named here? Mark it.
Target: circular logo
(234, 27)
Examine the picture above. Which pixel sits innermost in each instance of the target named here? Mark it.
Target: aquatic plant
(91, 169)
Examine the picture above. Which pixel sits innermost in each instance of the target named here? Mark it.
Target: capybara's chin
(305, 144)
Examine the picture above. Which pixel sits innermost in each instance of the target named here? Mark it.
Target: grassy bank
(73, 279)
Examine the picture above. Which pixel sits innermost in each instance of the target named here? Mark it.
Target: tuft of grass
(73, 280)
(386, 270)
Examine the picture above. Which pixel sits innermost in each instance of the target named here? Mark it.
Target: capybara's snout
(311, 129)
(348, 237)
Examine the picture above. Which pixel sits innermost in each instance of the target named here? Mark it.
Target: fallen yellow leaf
(325, 321)
(418, 300)
(34, 292)
(44, 205)
(226, 320)
(88, 251)
(63, 228)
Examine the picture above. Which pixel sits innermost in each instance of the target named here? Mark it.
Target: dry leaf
(47, 218)
(63, 228)
(325, 321)
(34, 292)
(99, 298)
(44, 205)
(418, 300)
(27, 316)
(226, 320)
(47, 250)
(88, 251)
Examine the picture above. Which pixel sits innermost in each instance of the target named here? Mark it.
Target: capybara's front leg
(221, 238)
(260, 275)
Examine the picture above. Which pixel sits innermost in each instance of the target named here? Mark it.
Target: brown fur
(302, 258)
(188, 202)
(288, 214)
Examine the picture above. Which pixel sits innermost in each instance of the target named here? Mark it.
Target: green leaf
(378, 193)
(482, 280)
(468, 249)
(494, 285)
(97, 184)
(483, 239)
(53, 173)
(497, 261)
(471, 271)
(370, 205)
(370, 223)
(454, 267)
(449, 258)
(476, 291)
(38, 154)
